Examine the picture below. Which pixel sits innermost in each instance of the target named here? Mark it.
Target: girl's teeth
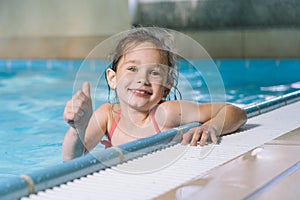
(141, 92)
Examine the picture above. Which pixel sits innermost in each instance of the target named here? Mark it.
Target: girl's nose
(143, 79)
(144, 82)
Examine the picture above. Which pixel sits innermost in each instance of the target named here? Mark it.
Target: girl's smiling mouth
(140, 92)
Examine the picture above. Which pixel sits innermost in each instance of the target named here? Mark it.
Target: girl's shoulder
(168, 113)
(107, 107)
(103, 110)
(106, 110)
(178, 104)
(175, 111)
(104, 114)
(170, 105)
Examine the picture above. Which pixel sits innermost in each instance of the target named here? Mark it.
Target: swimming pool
(34, 92)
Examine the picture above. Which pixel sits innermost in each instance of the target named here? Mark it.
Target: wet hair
(164, 43)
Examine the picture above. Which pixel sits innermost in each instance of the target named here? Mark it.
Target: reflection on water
(276, 88)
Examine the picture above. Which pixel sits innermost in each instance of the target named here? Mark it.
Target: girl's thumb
(86, 88)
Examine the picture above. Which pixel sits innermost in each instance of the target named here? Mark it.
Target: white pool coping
(157, 173)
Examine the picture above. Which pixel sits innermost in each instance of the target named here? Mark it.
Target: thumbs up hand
(79, 110)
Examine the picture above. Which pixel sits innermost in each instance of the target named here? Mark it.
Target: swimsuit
(116, 121)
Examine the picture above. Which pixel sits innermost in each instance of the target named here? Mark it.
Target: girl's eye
(155, 73)
(132, 69)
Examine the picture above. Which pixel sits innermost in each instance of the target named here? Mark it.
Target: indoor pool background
(34, 93)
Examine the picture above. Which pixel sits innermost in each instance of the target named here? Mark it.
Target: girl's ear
(111, 78)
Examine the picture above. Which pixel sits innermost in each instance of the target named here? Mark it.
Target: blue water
(34, 93)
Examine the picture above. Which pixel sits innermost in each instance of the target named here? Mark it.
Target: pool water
(34, 93)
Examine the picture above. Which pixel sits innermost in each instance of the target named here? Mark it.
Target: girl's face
(141, 77)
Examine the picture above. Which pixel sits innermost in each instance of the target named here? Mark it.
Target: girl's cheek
(157, 82)
(123, 77)
(163, 82)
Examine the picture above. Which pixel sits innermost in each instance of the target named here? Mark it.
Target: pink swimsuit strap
(155, 124)
(116, 121)
(114, 125)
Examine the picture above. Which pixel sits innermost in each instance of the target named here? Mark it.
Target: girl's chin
(140, 105)
(137, 100)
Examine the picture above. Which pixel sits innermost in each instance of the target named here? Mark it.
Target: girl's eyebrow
(130, 61)
(138, 62)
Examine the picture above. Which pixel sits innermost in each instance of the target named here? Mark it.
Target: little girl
(142, 75)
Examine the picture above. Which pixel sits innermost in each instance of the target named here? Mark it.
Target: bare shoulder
(168, 114)
(104, 108)
(176, 106)
(104, 112)
(168, 106)
(178, 112)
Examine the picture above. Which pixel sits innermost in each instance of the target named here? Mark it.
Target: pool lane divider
(272, 104)
(26, 184)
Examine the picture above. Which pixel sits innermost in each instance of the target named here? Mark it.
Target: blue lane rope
(272, 104)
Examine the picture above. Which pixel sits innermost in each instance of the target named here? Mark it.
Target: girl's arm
(217, 119)
(97, 127)
(225, 118)
(84, 131)
(72, 146)
(77, 142)
(77, 114)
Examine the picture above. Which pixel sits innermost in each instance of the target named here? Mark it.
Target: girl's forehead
(141, 47)
(144, 52)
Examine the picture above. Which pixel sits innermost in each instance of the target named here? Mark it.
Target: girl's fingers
(78, 100)
(78, 110)
(204, 137)
(213, 136)
(74, 113)
(76, 104)
(82, 96)
(198, 133)
(187, 137)
(69, 116)
(79, 95)
(209, 134)
(80, 113)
